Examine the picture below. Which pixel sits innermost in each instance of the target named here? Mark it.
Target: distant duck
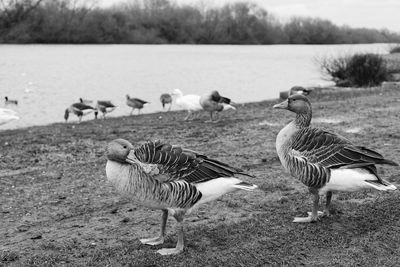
(299, 90)
(166, 99)
(135, 103)
(85, 101)
(7, 115)
(190, 103)
(215, 102)
(324, 161)
(10, 101)
(79, 109)
(173, 179)
(105, 107)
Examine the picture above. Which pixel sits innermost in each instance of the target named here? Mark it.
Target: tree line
(165, 22)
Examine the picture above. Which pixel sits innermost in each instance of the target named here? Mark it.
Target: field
(57, 209)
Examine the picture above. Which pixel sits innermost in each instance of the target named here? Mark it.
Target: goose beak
(283, 105)
(131, 158)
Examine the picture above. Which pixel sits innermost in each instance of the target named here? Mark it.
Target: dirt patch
(57, 209)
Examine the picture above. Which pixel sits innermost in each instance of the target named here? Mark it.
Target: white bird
(172, 179)
(190, 103)
(324, 161)
(79, 109)
(7, 115)
(214, 102)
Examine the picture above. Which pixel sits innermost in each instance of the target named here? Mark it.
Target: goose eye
(124, 147)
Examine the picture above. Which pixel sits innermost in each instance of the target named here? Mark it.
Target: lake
(46, 79)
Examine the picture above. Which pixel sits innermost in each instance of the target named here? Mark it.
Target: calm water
(46, 79)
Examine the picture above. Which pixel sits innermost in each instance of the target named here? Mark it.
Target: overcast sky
(376, 14)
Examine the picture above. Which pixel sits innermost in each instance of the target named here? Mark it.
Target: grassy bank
(57, 209)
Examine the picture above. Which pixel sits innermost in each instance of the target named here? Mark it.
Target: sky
(376, 14)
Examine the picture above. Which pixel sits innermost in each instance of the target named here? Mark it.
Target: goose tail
(245, 186)
(381, 185)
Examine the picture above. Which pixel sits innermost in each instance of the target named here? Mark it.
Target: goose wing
(106, 104)
(181, 164)
(80, 106)
(330, 150)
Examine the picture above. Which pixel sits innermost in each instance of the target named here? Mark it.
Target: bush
(394, 49)
(355, 70)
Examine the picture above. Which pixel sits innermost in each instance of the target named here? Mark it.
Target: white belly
(348, 180)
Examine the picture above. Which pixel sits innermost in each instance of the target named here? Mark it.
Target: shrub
(394, 49)
(355, 70)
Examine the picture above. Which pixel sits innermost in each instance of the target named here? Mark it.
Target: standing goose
(169, 178)
(79, 109)
(166, 99)
(10, 101)
(324, 161)
(215, 102)
(135, 103)
(105, 107)
(190, 103)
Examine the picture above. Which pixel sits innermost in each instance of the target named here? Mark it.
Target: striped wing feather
(333, 151)
(183, 164)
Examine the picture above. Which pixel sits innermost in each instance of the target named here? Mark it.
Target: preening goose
(190, 103)
(135, 103)
(105, 107)
(166, 99)
(172, 179)
(324, 161)
(215, 102)
(10, 101)
(7, 115)
(79, 109)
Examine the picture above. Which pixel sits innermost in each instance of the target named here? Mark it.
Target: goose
(166, 99)
(105, 107)
(85, 101)
(172, 179)
(215, 102)
(190, 103)
(7, 115)
(299, 90)
(79, 109)
(324, 161)
(135, 103)
(10, 101)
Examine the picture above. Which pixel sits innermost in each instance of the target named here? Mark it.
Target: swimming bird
(85, 101)
(324, 161)
(10, 101)
(105, 107)
(166, 99)
(172, 179)
(299, 90)
(213, 101)
(135, 103)
(190, 103)
(7, 115)
(79, 109)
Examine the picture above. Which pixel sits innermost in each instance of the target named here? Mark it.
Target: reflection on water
(46, 79)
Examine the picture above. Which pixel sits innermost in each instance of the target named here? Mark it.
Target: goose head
(118, 150)
(298, 104)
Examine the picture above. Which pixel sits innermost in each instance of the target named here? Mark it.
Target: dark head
(6, 98)
(118, 150)
(96, 112)
(298, 104)
(66, 115)
(80, 100)
(127, 96)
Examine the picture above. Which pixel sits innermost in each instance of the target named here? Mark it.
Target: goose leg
(327, 211)
(211, 117)
(132, 111)
(180, 244)
(188, 115)
(80, 119)
(315, 214)
(158, 239)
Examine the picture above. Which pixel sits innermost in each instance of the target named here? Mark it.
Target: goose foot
(169, 251)
(153, 241)
(308, 219)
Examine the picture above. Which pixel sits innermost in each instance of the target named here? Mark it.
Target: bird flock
(211, 102)
(7, 114)
(177, 180)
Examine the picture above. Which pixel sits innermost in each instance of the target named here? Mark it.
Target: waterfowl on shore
(299, 90)
(79, 109)
(85, 101)
(135, 103)
(166, 99)
(105, 107)
(191, 103)
(7, 115)
(324, 161)
(169, 178)
(10, 101)
(214, 102)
